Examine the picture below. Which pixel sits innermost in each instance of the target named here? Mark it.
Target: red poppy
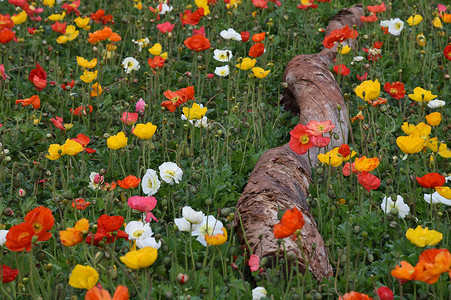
(84, 141)
(200, 31)
(257, 50)
(59, 27)
(178, 98)
(260, 3)
(32, 30)
(431, 180)
(129, 182)
(339, 36)
(245, 35)
(344, 150)
(363, 77)
(81, 110)
(197, 43)
(20, 3)
(342, 70)
(129, 118)
(156, 62)
(395, 89)
(447, 52)
(368, 181)
(80, 203)
(258, 37)
(309, 4)
(165, 27)
(72, 7)
(377, 102)
(109, 186)
(348, 168)
(354, 296)
(106, 226)
(369, 19)
(8, 274)
(68, 85)
(6, 22)
(374, 53)
(100, 17)
(292, 220)
(377, 8)
(42, 220)
(19, 237)
(384, 293)
(188, 18)
(58, 122)
(38, 77)
(300, 140)
(6, 36)
(33, 101)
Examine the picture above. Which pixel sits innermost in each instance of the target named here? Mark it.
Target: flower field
(129, 130)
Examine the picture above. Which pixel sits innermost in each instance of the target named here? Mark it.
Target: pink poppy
(320, 141)
(318, 128)
(58, 122)
(140, 105)
(143, 204)
(129, 118)
(165, 27)
(200, 31)
(254, 262)
(2, 72)
(348, 168)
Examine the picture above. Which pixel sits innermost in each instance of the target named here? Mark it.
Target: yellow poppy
(55, 152)
(19, 18)
(370, 88)
(70, 35)
(83, 22)
(217, 239)
(141, 258)
(195, 112)
(421, 95)
(259, 72)
(423, 237)
(84, 63)
(434, 118)
(410, 144)
(145, 131)
(414, 20)
(246, 63)
(117, 141)
(71, 147)
(88, 76)
(83, 277)
(57, 17)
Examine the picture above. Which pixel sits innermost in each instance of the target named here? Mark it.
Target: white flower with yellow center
(191, 219)
(138, 230)
(148, 241)
(222, 71)
(130, 64)
(141, 43)
(222, 55)
(209, 226)
(395, 27)
(150, 182)
(170, 172)
(230, 34)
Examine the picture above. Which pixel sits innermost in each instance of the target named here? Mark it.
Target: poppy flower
(410, 144)
(368, 90)
(129, 182)
(177, 98)
(143, 204)
(96, 91)
(374, 53)
(8, 274)
(339, 36)
(6, 35)
(377, 8)
(403, 272)
(19, 237)
(33, 101)
(81, 110)
(431, 180)
(366, 164)
(245, 35)
(117, 141)
(368, 19)
(362, 77)
(129, 118)
(83, 277)
(434, 118)
(200, 31)
(421, 95)
(42, 220)
(342, 70)
(258, 37)
(84, 141)
(98, 293)
(72, 7)
(197, 43)
(354, 296)
(38, 77)
(217, 239)
(73, 235)
(260, 3)
(105, 34)
(447, 52)
(359, 116)
(58, 122)
(80, 204)
(348, 168)
(318, 128)
(308, 5)
(59, 27)
(291, 221)
(254, 262)
(156, 62)
(6, 22)
(165, 27)
(68, 85)
(368, 181)
(141, 258)
(107, 230)
(395, 89)
(422, 237)
(431, 264)
(257, 50)
(189, 18)
(100, 17)
(377, 102)
(384, 293)
(300, 140)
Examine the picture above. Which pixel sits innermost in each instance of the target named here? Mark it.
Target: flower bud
(182, 278)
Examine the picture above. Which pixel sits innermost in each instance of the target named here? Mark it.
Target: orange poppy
(33, 101)
(80, 204)
(19, 237)
(104, 34)
(431, 264)
(197, 43)
(189, 18)
(156, 62)
(81, 110)
(97, 293)
(431, 180)
(354, 296)
(258, 37)
(129, 182)
(84, 141)
(6, 22)
(177, 98)
(100, 17)
(368, 19)
(6, 35)
(257, 50)
(377, 8)
(292, 220)
(42, 220)
(339, 36)
(403, 272)
(73, 235)
(368, 181)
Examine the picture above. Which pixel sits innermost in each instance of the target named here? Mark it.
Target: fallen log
(281, 177)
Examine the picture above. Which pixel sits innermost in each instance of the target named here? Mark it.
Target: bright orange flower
(197, 43)
(339, 36)
(366, 164)
(431, 180)
(129, 182)
(19, 237)
(292, 220)
(377, 8)
(403, 272)
(431, 264)
(33, 101)
(97, 293)
(178, 98)
(105, 34)
(191, 18)
(6, 35)
(369, 19)
(354, 296)
(257, 50)
(156, 62)
(258, 37)
(42, 220)
(80, 203)
(73, 235)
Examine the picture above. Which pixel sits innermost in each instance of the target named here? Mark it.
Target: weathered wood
(281, 177)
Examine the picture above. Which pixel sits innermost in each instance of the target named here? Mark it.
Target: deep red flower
(59, 27)
(339, 36)
(177, 98)
(129, 182)
(369, 19)
(68, 85)
(431, 180)
(189, 18)
(80, 203)
(377, 8)
(8, 274)
(6, 35)
(38, 77)
(300, 140)
(58, 122)
(165, 27)
(344, 150)
(342, 70)
(72, 7)
(84, 141)
(245, 35)
(447, 52)
(384, 293)
(368, 181)
(291, 221)
(395, 89)
(81, 110)
(363, 77)
(32, 30)
(197, 43)
(20, 3)
(106, 227)
(156, 62)
(257, 50)
(100, 17)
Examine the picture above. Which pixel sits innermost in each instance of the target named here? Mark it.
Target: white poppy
(137, 230)
(191, 219)
(130, 64)
(150, 182)
(165, 9)
(436, 103)
(148, 241)
(202, 122)
(395, 27)
(436, 198)
(222, 71)
(258, 293)
(170, 172)
(358, 58)
(3, 234)
(141, 43)
(230, 34)
(222, 55)
(95, 180)
(387, 204)
(209, 226)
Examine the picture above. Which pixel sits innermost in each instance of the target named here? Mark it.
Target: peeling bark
(281, 177)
